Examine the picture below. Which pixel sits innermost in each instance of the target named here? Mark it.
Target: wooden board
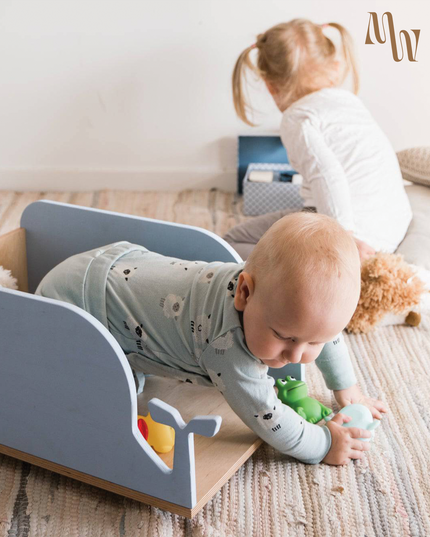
(13, 256)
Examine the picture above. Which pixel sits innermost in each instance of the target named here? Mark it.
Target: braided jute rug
(385, 494)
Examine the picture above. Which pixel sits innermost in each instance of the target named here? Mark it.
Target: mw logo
(373, 19)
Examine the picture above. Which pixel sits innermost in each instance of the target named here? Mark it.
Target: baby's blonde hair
(296, 58)
(304, 248)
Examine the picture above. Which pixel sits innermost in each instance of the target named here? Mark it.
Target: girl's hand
(353, 395)
(365, 251)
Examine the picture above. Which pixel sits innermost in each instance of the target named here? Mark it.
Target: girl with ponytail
(349, 168)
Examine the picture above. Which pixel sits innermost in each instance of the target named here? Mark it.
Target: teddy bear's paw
(413, 318)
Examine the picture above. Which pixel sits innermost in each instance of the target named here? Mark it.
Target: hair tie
(324, 25)
(253, 45)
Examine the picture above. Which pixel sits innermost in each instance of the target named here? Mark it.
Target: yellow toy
(159, 436)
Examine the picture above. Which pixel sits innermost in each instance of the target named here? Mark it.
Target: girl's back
(350, 171)
(332, 139)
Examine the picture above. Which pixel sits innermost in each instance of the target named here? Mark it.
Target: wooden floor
(214, 210)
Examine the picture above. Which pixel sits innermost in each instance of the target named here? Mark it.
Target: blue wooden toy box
(67, 395)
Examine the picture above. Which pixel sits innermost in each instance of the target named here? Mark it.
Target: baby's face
(291, 325)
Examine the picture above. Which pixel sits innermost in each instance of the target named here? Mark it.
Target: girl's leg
(245, 236)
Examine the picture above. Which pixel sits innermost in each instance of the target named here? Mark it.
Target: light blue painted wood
(67, 395)
(55, 231)
(66, 389)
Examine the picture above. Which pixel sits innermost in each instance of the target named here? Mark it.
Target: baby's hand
(353, 395)
(344, 441)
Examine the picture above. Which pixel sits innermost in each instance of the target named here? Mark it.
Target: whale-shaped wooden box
(67, 396)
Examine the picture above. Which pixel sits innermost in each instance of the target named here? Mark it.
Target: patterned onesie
(177, 318)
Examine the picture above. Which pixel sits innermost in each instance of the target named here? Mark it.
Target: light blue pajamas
(177, 318)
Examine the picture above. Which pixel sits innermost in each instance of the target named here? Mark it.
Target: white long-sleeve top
(349, 168)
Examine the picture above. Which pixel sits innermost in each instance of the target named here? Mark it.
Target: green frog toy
(294, 393)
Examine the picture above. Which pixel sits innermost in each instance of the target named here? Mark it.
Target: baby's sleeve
(243, 381)
(335, 365)
(322, 171)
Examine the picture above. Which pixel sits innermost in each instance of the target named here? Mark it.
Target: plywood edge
(100, 483)
(13, 256)
(130, 493)
(201, 502)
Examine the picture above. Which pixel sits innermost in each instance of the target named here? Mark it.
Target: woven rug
(385, 494)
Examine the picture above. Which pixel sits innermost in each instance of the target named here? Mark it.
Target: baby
(223, 324)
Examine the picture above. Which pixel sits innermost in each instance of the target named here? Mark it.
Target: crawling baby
(223, 324)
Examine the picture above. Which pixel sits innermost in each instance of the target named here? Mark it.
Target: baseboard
(75, 180)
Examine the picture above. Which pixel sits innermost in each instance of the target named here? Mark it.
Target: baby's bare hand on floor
(345, 443)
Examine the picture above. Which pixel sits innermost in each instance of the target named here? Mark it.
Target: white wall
(136, 94)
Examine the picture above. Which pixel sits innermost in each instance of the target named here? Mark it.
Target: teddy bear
(392, 292)
(7, 280)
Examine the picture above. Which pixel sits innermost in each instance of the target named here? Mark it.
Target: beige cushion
(415, 164)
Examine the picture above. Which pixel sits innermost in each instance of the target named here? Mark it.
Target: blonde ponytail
(349, 55)
(294, 59)
(239, 77)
